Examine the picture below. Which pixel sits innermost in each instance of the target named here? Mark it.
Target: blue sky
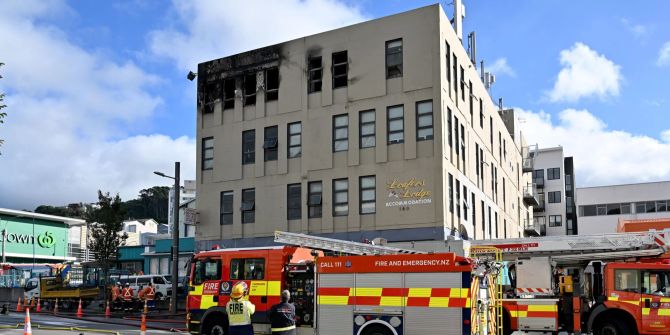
(98, 98)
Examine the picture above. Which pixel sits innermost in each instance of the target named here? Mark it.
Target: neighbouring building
(188, 218)
(554, 180)
(640, 225)
(186, 194)
(379, 129)
(602, 207)
(139, 231)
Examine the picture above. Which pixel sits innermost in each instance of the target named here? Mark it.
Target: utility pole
(4, 240)
(175, 240)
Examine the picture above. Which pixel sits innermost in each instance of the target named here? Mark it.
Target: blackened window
(424, 120)
(315, 69)
(368, 195)
(340, 69)
(226, 208)
(340, 132)
(294, 140)
(211, 96)
(554, 197)
(395, 124)
(340, 197)
(229, 93)
(555, 220)
(314, 199)
(553, 173)
(248, 208)
(394, 58)
(248, 146)
(293, 205)
(250, 89)
(270, 143)
(451, 193)
(367, 129)
(208, 153)
(272, 84)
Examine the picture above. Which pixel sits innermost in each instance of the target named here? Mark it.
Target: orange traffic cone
(18, 305)
(39, 305)
(108, 312)
(27, 329)
(80, 313)
(143, 325)
(56, 307)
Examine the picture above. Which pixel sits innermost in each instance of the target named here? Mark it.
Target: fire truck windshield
(206, 269)
(656, 282)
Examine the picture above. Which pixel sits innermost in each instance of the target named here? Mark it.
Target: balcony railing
(528, 158)
(530, 196)
(532, 228)
(539, 207)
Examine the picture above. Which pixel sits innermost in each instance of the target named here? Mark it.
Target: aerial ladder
(339, 246)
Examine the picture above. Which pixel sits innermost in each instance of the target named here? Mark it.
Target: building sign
(190, 216)
(44, 240)
(442, 262)
(408, 192)
(24, 237)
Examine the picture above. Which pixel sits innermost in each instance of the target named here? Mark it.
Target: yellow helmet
(238, 290)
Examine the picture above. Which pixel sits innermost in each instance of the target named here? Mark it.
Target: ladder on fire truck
(583, 248)
(341, 246)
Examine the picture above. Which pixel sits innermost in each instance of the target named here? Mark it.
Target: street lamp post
(175, 236)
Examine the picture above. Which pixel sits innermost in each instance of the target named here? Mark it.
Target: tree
(152, 203)
(106, 225)
(2, 114)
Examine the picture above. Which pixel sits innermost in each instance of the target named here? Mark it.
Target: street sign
(190, 216)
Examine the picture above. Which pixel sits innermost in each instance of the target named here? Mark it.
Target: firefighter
(239, 311)
(128, 295)
(282, 316)
(116, 294)
(148, 294)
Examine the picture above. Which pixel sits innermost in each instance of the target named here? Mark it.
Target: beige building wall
(423, 166)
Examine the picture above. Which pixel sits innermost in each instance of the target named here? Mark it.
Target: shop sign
(44, 240)
(408, 192)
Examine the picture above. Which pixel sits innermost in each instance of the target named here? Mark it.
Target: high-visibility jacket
(127, 293)
(239, 312)
(116, 293)
(148, 293)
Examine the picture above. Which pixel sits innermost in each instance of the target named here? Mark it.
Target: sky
(98, 98)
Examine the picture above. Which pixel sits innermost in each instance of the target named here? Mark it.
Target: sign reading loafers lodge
(408, 192)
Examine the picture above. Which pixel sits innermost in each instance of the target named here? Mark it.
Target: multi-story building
(379, 129)
(554, 180)
(602, 207)
(186, 195)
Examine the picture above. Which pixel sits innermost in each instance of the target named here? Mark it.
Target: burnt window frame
(388, 54)
(207, 163)
(249, 146)
(250, 99)
(248, 207)
(314, 74)
(342, 79)
(419, 128)
(270, 143)
(362, 189)
(210, 97)
(388, 125)
(340, 203)
(315, 199)
(271, 94)
(336, 127)
(229, 95)
(294, 201)
(370, 136)
(226, 208)
(289, 141)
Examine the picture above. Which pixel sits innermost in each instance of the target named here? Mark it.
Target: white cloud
(68, 115)
(585, 73)
(665, 135)
(664, 55)
(638, 30)
(211, 29)
(500, 67)
(602, 156)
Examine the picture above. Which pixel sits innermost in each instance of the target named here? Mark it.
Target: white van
(161, 283)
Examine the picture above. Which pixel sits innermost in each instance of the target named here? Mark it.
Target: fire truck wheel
(376, 329)
(612, 326)
(214, 327)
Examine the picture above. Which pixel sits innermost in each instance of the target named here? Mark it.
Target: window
(447, 59)
(206, 269)
(490, 222)
(601, 209)
(458, 198)
(340, 69)
(395, 124)
(449, 117)
(554, 197)
(625, 209)
(500, 156)
(656, 282)
(272, 84)
(555, 220)
(394, 59)
(132, 228)
(159, 280)
(226, 208)
(424, 120)
(451, 193)
(477, 161)
(538, 177)
(247, 268)
(640, 207)
(491, 132)
(340, 132)
(661, 206)
(472, 104)
(483, 219)
(481, 113)
(455, 68)
(294, 140)
(270, 143)
(462, 84)
(495, 216)
(315, 69)
(248, 146)
(465, 202)
(367, 129)
(340, 197)
(314, 199)
(250, 89)
(504, 149)
(368, 195)
(208, 153)
(553, 173)
(613, 209)
(248, 208)
(293, 205)
(229, 93)
(473, 203)
(211, 96)
(588, 210)
(651, 207)
(627, 280)
(456, 137)
(463, 144)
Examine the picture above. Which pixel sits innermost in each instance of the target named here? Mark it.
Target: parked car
(161, 283)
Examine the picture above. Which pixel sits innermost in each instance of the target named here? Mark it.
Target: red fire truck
(365, 290)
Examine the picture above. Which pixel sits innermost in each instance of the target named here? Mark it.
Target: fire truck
(614, 284)
(358, 288)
